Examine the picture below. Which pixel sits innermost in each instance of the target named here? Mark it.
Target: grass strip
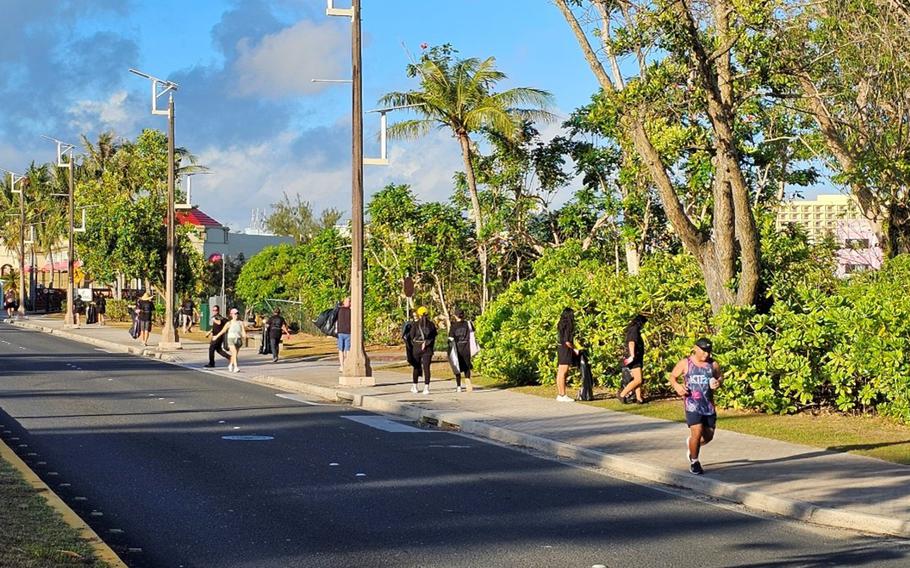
(32, 534)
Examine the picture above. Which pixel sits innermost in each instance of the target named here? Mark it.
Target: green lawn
(32, 534)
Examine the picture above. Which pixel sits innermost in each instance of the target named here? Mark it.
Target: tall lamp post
(356, 369)
(15, 178)
(63, 148)
(169, 339)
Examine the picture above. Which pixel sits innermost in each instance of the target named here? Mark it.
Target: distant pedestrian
(146, 311)
(566, 353)
(187, 312)
(460, 341)
(78, 309)
(216, 343)
(701, 377)
(633, 361)
(101, 304)
(275, 327)
(343, 329)
(9, 303)
(422, 336)
(235, 331)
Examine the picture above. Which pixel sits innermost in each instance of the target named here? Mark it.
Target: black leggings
(463, 364)
(423, 359)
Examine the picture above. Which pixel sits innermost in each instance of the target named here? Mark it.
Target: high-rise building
(819, 216)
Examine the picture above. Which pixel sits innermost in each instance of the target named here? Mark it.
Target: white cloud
(111, 113)
(284, 63)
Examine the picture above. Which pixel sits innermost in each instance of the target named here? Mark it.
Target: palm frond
(411, 129)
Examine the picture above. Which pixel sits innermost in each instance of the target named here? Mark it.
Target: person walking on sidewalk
(146, 309)
(422, 336)
(9, 304)
(101, 304)
(460, 340)
(236, 333)
(701, 377)
(78, 309)
(343, 329)
(187, 311)
(634, 349)
(566, 352)
(275, 327)
(216, 324)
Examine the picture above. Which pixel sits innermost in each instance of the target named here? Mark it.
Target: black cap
(704, 344)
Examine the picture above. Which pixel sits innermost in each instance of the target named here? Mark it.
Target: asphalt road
(138, 449)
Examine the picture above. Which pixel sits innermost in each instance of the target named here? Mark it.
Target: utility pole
(69, 319)
(356, 369)
(21, 309)
(169, 339)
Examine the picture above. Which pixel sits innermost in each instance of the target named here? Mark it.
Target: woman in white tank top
(236, 334)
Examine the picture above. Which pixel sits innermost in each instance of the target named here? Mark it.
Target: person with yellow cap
(422, 336)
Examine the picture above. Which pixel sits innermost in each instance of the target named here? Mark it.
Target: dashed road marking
(299, 398)
(384, 424)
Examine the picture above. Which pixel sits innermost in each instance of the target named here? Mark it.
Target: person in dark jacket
(634, 357)
(565, 352)
(146, 311)
(343, 330)
(276, 326)
(422, 336)
(101, 303)
(216, 324)
(78, 309)
(460, 341)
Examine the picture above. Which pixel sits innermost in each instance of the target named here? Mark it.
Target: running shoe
(695, 467)
(565, 398)
(414, 389)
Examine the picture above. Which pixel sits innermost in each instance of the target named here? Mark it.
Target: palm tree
(458, 94)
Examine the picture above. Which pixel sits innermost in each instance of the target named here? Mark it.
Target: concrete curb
(102, 551)
(782, 506)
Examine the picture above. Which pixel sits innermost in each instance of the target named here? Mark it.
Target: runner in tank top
(701, 377)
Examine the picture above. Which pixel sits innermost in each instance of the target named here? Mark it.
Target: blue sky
(246, 106)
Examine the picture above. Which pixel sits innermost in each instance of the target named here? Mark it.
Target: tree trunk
(442, 300)
(633, 260)
(478, 218)
(897, 231)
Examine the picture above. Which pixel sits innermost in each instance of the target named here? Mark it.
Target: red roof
(195, 217)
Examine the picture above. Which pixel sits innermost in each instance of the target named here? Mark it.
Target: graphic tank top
(698, 382)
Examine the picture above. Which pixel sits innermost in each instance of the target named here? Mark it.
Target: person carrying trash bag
(460, 349)
(587, 377)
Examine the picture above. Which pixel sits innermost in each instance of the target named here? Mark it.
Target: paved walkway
(811, 484)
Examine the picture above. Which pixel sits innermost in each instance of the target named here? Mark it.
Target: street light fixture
(15, 178)
(189, 186)
(69, 319)
(160, 87)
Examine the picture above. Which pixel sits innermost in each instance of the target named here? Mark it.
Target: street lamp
(189, 186)
(69, 319)
(169, 339)
(15, 178)
(356, 369)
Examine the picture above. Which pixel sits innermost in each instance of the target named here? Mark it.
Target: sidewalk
(800, 482)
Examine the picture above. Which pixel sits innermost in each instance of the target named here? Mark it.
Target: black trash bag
(626, 379)
(265, 346)
(91, 314)
(587, 378)
(134, 329)
(325, 321)
(409, 349)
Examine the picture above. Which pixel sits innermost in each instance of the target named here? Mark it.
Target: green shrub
(118, 310)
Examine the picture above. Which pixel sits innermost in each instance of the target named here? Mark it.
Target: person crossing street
(216, 344)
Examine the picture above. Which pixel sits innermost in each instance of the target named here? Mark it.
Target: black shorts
(145, 325)
(706, 420)
(635, 365)
(565, 355)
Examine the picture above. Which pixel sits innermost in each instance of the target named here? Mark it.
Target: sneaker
(695, 467)
(426, 390)
(565, 398)
(414, 389)
(236, 369)
(275, 360)
(457, 389)
(209, 366)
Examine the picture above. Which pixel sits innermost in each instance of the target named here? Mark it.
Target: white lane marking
(383, 423)
(249, 438)
(360, 475)
(333, 464)
(106, 351)
(299, 398)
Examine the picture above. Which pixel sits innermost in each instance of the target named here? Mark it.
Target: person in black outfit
(187, 310)
(565, 352)
(78, 308)
(634, 357)
(422, 336)
(146, 310)
(101, 304)
(216, 324)
(276, 326)
(459, 338)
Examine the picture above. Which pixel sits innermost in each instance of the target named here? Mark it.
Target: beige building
(819, 216)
